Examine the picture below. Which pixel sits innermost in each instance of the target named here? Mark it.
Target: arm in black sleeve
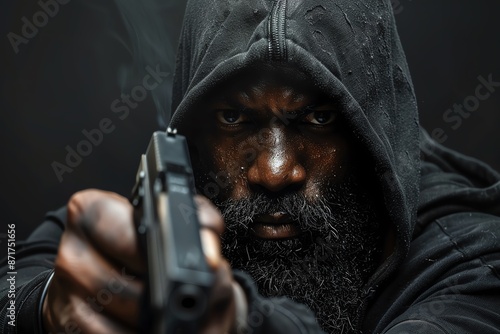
(34, 265)
(275, 315)
(450, 283)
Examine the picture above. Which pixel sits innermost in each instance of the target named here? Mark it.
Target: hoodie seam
(438, 326)
(464, 253)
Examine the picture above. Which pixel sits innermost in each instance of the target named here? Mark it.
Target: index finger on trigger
(209, 216)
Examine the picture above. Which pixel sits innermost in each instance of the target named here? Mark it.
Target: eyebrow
(233, 102)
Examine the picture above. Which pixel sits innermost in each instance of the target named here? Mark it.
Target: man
(303, 130)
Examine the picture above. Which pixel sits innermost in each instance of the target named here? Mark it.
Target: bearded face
(325, 266)
(279, 162)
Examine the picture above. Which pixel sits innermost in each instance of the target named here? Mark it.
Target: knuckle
(210, 217)
(84, 196)
(224, 275)
(79, 204)
(67, 261)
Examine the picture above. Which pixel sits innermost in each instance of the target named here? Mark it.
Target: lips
(274, 226)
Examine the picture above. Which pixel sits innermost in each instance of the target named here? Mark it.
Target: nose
(276, 167)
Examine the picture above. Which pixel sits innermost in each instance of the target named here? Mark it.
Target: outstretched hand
(99, 270)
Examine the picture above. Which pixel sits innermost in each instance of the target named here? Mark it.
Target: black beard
(325, 267)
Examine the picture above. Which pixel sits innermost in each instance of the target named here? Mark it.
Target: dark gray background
(65, 78)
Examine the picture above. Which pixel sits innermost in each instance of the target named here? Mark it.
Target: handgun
(179, 278)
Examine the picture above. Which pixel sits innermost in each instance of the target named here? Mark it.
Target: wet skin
(265, 134)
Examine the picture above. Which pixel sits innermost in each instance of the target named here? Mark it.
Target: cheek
(221, 164)
(327, 163)
(218, 169)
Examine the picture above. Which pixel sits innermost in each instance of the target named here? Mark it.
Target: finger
(211, 247)
(222, 306)
(212, 227)
(209, 216)
(106, 219)
(81, 270)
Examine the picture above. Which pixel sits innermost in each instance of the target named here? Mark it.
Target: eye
(320, 117)
(231, 117)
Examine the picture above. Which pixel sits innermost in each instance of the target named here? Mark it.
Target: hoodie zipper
(276, 26)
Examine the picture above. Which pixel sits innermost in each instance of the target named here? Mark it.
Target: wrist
(43, 313)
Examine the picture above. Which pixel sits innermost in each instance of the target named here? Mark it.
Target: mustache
(324, 268)
(311, 214)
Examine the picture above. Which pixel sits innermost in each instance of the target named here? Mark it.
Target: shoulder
(450, 279)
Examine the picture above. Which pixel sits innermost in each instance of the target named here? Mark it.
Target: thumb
(212, 226)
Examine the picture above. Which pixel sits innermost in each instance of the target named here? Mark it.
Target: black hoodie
(351, 51)
(443, 273)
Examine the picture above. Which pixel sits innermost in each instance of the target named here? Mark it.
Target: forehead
(267, 84)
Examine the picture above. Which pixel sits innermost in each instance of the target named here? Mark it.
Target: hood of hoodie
(350, 50)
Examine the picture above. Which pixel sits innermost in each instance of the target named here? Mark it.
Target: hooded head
(290, 64)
